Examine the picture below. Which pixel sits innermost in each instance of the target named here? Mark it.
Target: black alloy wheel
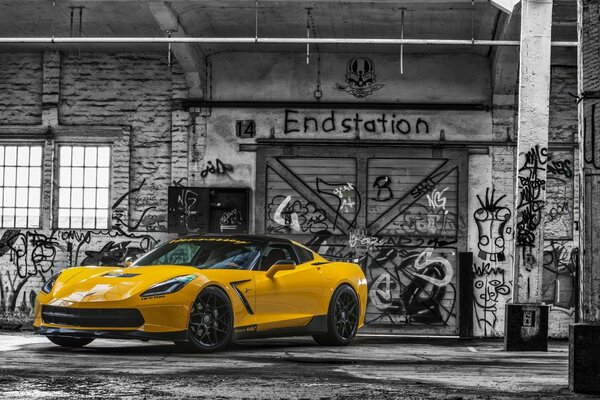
(346, 314)
(211, 321)
(342, 318)
(67, 341)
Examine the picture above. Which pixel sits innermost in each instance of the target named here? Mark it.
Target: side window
(277, 252)
(304, 254)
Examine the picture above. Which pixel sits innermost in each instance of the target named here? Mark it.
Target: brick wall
(135, 91)
(121, 99)
(20, 88)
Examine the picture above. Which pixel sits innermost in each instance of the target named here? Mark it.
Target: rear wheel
(66, 341)
(211, 322)
(342, 318)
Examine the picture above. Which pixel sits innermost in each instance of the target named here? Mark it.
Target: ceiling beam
(188, 55)
(505, 60)
(251, 3)
(505, 5)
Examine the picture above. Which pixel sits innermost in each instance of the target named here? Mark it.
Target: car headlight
(171, 286)
(47, 288)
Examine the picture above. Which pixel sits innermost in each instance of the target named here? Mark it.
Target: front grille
(93, 317)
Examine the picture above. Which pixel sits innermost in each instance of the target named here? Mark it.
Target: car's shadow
(248, 346)
(134, 348)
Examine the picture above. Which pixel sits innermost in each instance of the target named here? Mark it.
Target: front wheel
(66, 341)
(211, 322)
(342, 318)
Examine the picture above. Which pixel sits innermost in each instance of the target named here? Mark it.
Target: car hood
(107, 284)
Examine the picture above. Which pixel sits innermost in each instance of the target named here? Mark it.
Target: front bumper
(113, 334)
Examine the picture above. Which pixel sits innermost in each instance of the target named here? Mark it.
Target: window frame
(56, 181)
(28, 143)
(291, 251)
(299, 250)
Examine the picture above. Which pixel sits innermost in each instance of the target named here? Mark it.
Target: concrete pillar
(525, 318)
(50, 103)
(50, 88)
(584, 337)
(180, 125)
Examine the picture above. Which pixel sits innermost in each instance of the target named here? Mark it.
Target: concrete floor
(295, 368)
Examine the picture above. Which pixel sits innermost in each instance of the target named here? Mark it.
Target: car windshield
(204, 253)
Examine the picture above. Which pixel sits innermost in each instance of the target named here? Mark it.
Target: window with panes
(83, 187)
(20, 186)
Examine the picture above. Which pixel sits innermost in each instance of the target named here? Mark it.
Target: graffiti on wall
(437, 200)
(492, 283)
(558, 209)
(28, 257)
(29, 254)
(531, 203)
(407, 246)
(360, 78)
(218, 168)
(384, 191)
(408, 287)
(425, 220)
(346, 198)
(294, 215)
(187, 209)
(334, 122)
(559, 275)
(363, 243)
(491, 219)
(491, 288)
(118, 215)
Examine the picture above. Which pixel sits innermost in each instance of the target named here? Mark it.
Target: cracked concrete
(291, 368)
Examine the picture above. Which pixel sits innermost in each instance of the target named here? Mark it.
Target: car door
(290, 298)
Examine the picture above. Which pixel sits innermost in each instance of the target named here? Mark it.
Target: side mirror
(281, 265)
(128, 262)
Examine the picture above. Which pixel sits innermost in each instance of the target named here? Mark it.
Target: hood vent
(119, 275)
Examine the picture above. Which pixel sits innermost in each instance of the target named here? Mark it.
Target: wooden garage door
(399, 212)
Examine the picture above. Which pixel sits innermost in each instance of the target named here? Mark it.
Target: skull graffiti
(360, 72)
(360, 78)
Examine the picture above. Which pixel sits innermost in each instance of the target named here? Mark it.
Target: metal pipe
(334, 105)
(248, 40)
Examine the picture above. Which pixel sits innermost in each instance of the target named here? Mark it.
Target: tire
(211, 322)
(342, 318)
(66, 341)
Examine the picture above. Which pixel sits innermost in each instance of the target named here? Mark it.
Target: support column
(526, 322)
(50, 104)
(584, 337)
(50, 88)
(180, 125)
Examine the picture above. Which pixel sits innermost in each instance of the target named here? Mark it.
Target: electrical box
(208, 210)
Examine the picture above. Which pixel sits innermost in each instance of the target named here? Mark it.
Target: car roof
(263, 239)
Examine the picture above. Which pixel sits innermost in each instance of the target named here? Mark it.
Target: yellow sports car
(202, 292)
